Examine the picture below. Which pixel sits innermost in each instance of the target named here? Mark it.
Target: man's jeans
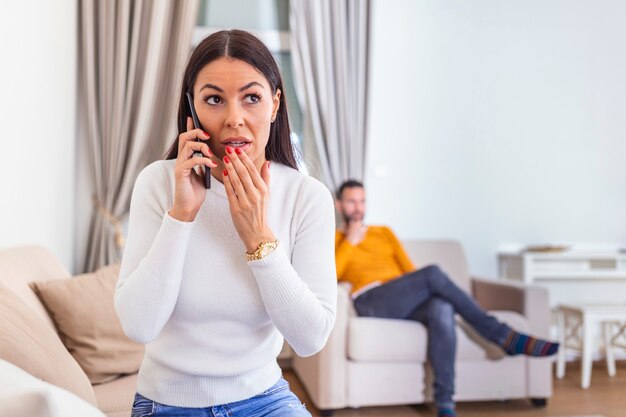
(430, 297)
(277, 401)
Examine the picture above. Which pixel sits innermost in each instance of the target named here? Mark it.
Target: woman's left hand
(248, 194)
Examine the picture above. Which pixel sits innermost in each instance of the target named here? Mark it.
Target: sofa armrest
(324, 375)
(530, 301)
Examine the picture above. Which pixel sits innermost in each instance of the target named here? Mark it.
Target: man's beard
(355, 217)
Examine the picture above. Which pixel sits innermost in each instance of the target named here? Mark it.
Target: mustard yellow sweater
(379, 257)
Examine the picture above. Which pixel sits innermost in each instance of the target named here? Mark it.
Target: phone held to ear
(206, 173)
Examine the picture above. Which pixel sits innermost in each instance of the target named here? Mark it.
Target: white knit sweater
(213, 323)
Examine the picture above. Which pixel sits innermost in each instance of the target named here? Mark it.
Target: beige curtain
(330, 48)
(131, 59)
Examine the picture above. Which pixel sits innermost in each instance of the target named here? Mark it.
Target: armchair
(373, 361)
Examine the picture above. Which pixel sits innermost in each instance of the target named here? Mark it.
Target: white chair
(614, 334)
(577, 325)
(371, 361)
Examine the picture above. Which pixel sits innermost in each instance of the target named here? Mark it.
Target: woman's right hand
(189, 190)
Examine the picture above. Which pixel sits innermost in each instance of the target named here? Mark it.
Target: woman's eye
(214, 100)
(253, 98)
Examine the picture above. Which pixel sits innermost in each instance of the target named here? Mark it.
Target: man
(385, 283)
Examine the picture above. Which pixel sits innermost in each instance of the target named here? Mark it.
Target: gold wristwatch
(264, 249)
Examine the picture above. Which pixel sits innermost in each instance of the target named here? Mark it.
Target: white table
(576, 324)
(568, 265)
(584, 274)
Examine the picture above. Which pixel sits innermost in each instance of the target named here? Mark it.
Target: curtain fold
(131, 59)
(330, 48)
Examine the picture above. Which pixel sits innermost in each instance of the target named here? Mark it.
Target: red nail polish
(229, 149)
(225, 173)
(226, 159)
(238, 151)
(206, 134)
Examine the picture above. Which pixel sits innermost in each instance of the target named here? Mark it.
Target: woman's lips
(244, 147)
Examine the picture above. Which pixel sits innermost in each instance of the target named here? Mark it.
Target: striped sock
(519, 343)
(445, 411)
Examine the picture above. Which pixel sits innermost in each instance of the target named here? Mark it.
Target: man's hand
(355, 232)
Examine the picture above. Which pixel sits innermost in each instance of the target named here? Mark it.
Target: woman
(213, 279)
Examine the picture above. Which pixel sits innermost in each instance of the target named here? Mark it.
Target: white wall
(37, 124)
(501, 121)
(495, 121)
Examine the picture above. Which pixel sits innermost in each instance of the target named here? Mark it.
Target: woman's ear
(276, 104)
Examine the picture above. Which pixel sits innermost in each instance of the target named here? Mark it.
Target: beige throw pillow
(29, 343)
(82, 311)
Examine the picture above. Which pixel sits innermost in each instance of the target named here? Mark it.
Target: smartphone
(196, 124)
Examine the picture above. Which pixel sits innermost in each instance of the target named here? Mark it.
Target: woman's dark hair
(241, 45)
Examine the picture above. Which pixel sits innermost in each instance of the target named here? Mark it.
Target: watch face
(264, 249)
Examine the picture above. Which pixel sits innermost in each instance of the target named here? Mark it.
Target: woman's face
(235, 106)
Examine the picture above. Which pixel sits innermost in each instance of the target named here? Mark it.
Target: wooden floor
(606, 397)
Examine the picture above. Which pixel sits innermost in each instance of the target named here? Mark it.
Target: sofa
(373, 361)
(38, 348)
(30, 339)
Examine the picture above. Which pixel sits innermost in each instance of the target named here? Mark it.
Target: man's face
(352, 204)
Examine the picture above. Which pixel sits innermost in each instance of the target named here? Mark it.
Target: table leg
(560, 360)
(608, 347)
(587, 356)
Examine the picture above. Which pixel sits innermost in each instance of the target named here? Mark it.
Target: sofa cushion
(447, 254)
(117, 396)
(83, 312)
(373, 339)
(28, 342)
(27, 396)
(387, 340)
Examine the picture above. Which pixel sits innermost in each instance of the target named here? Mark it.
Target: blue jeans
(430, 297)
(277, 401)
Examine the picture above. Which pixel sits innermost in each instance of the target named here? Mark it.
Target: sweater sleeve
(400, 254)
(154, 254)
(300, 294)
(343, 252)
